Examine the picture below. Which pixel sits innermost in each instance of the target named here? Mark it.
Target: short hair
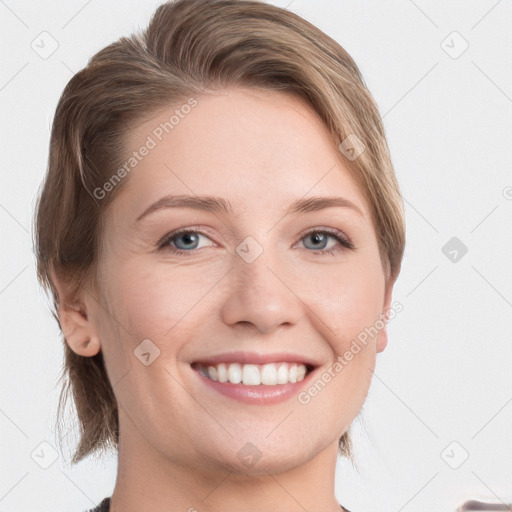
(190, 47)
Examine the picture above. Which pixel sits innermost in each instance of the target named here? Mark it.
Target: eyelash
(345, 243)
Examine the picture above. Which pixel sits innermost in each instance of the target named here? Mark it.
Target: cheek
(348, 300)
(348, 297)
(156, 303)
(160, 301)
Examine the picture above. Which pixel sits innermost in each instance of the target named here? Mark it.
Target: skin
(260, 151)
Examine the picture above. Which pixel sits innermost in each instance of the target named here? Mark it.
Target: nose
(261, 295)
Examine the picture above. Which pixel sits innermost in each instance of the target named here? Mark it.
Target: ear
(75, 319)
(382, 338)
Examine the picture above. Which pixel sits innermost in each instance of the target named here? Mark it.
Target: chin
(268, 463)
(259, 458)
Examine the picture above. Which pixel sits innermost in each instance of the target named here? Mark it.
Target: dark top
(104, 506)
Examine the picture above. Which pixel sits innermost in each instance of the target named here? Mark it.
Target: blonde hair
(189, 47)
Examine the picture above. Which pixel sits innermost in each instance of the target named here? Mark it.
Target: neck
(149, 482)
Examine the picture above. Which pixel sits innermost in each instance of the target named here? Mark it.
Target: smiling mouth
(270, 374)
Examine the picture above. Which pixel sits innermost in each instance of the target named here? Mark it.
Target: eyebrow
(219, 205)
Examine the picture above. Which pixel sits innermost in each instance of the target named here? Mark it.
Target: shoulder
(104, 506)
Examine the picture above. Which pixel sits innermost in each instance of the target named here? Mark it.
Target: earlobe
(75, 323)
(78, 331)
(382, 338)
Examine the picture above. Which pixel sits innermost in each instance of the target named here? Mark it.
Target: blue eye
(321, 237)
(188, 239)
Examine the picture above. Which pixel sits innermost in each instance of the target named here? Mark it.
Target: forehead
(259, 149)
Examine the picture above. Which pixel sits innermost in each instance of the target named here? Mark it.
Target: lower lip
(259, 395)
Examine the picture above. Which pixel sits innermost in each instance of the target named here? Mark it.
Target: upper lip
(256, 358)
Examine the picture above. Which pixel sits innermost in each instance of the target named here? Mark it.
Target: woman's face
(254, 280)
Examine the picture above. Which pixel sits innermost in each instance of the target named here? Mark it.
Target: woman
(221, 229)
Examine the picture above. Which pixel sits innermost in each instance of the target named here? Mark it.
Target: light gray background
(443, 387)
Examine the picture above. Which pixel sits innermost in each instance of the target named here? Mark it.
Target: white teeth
(255, 374)
(251, 375)
(293, 374)
(282, 374)
(212, 372)
(222, 373)
(269, 375)
(235, 373)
